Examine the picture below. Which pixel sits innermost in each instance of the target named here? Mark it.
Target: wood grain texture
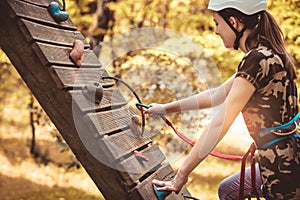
(120, 144)
(43, 3)
(58, 55)
(112, 98)
(53, 100)
(71, 77)
(97, 134)
(134, 168)
(50, 35)
(145, 190)
(38, 14)
(107, 122)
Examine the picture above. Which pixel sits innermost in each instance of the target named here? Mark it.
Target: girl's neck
(243, 41)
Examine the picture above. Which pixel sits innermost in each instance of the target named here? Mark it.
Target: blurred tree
(93, 18)
(192, 18)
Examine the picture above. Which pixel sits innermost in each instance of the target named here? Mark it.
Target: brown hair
(267, 32)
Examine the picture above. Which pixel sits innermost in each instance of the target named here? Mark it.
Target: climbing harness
(273, 135)
(270, 136)
(59, 14)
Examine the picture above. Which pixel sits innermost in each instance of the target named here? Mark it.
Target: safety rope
(192, 143)
(140, 106)
(64, 5)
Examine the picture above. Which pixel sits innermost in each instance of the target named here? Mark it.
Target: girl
(263, 89)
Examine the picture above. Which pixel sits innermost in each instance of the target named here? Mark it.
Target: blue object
(161, 194)
(57, 13)
(294, 120)
(277, 140)
(142, 105)
(281, 126)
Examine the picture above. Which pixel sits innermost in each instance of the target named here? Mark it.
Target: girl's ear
(233, 21)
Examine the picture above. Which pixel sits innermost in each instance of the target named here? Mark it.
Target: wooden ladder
(39, 49)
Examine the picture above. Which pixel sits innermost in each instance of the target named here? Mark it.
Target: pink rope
(192, 143)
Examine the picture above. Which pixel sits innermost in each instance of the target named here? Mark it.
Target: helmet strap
(238, 34)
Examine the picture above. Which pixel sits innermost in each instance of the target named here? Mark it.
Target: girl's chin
(228, 46)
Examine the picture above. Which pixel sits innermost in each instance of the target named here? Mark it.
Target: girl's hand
(174, 185)
(156, 109)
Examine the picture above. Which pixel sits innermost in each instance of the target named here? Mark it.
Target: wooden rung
(118, 145)
(106, 122)
(32, 32)
(145, 190)
(43, 3)
(38, 14)
(58, 55)
(68, 77)
(111, 98)
(134, 168)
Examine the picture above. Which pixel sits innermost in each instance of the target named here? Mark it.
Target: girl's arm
(239, 95)
(207, 99)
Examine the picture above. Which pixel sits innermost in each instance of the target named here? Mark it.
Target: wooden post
(39, 49)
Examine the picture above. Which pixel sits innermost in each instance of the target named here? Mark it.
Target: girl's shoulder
(263, 55)
(260, 52)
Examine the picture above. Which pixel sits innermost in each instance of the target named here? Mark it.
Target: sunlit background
(50, 171)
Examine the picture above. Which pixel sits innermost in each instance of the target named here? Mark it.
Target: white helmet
(248, 7)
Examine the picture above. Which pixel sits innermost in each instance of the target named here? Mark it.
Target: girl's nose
(217, 31)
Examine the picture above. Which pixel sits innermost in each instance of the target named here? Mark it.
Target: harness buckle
(269, 136)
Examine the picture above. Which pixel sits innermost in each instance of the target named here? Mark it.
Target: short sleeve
(251, 68)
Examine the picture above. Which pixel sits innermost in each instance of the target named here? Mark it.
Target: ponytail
(268, 33)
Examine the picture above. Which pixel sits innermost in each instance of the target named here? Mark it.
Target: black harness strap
(238, 34)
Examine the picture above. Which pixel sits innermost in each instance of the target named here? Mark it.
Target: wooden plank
(43, 3)
(134, 168)
(106, 122)
(38, 14)
(145, 189)
(112, 98)
(58, 55)
(50, 35)
(120, 144)
(74, 129)
(68, 77)
(59, 110)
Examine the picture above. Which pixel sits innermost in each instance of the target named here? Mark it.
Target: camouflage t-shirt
(273, 103)
(275, 99)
